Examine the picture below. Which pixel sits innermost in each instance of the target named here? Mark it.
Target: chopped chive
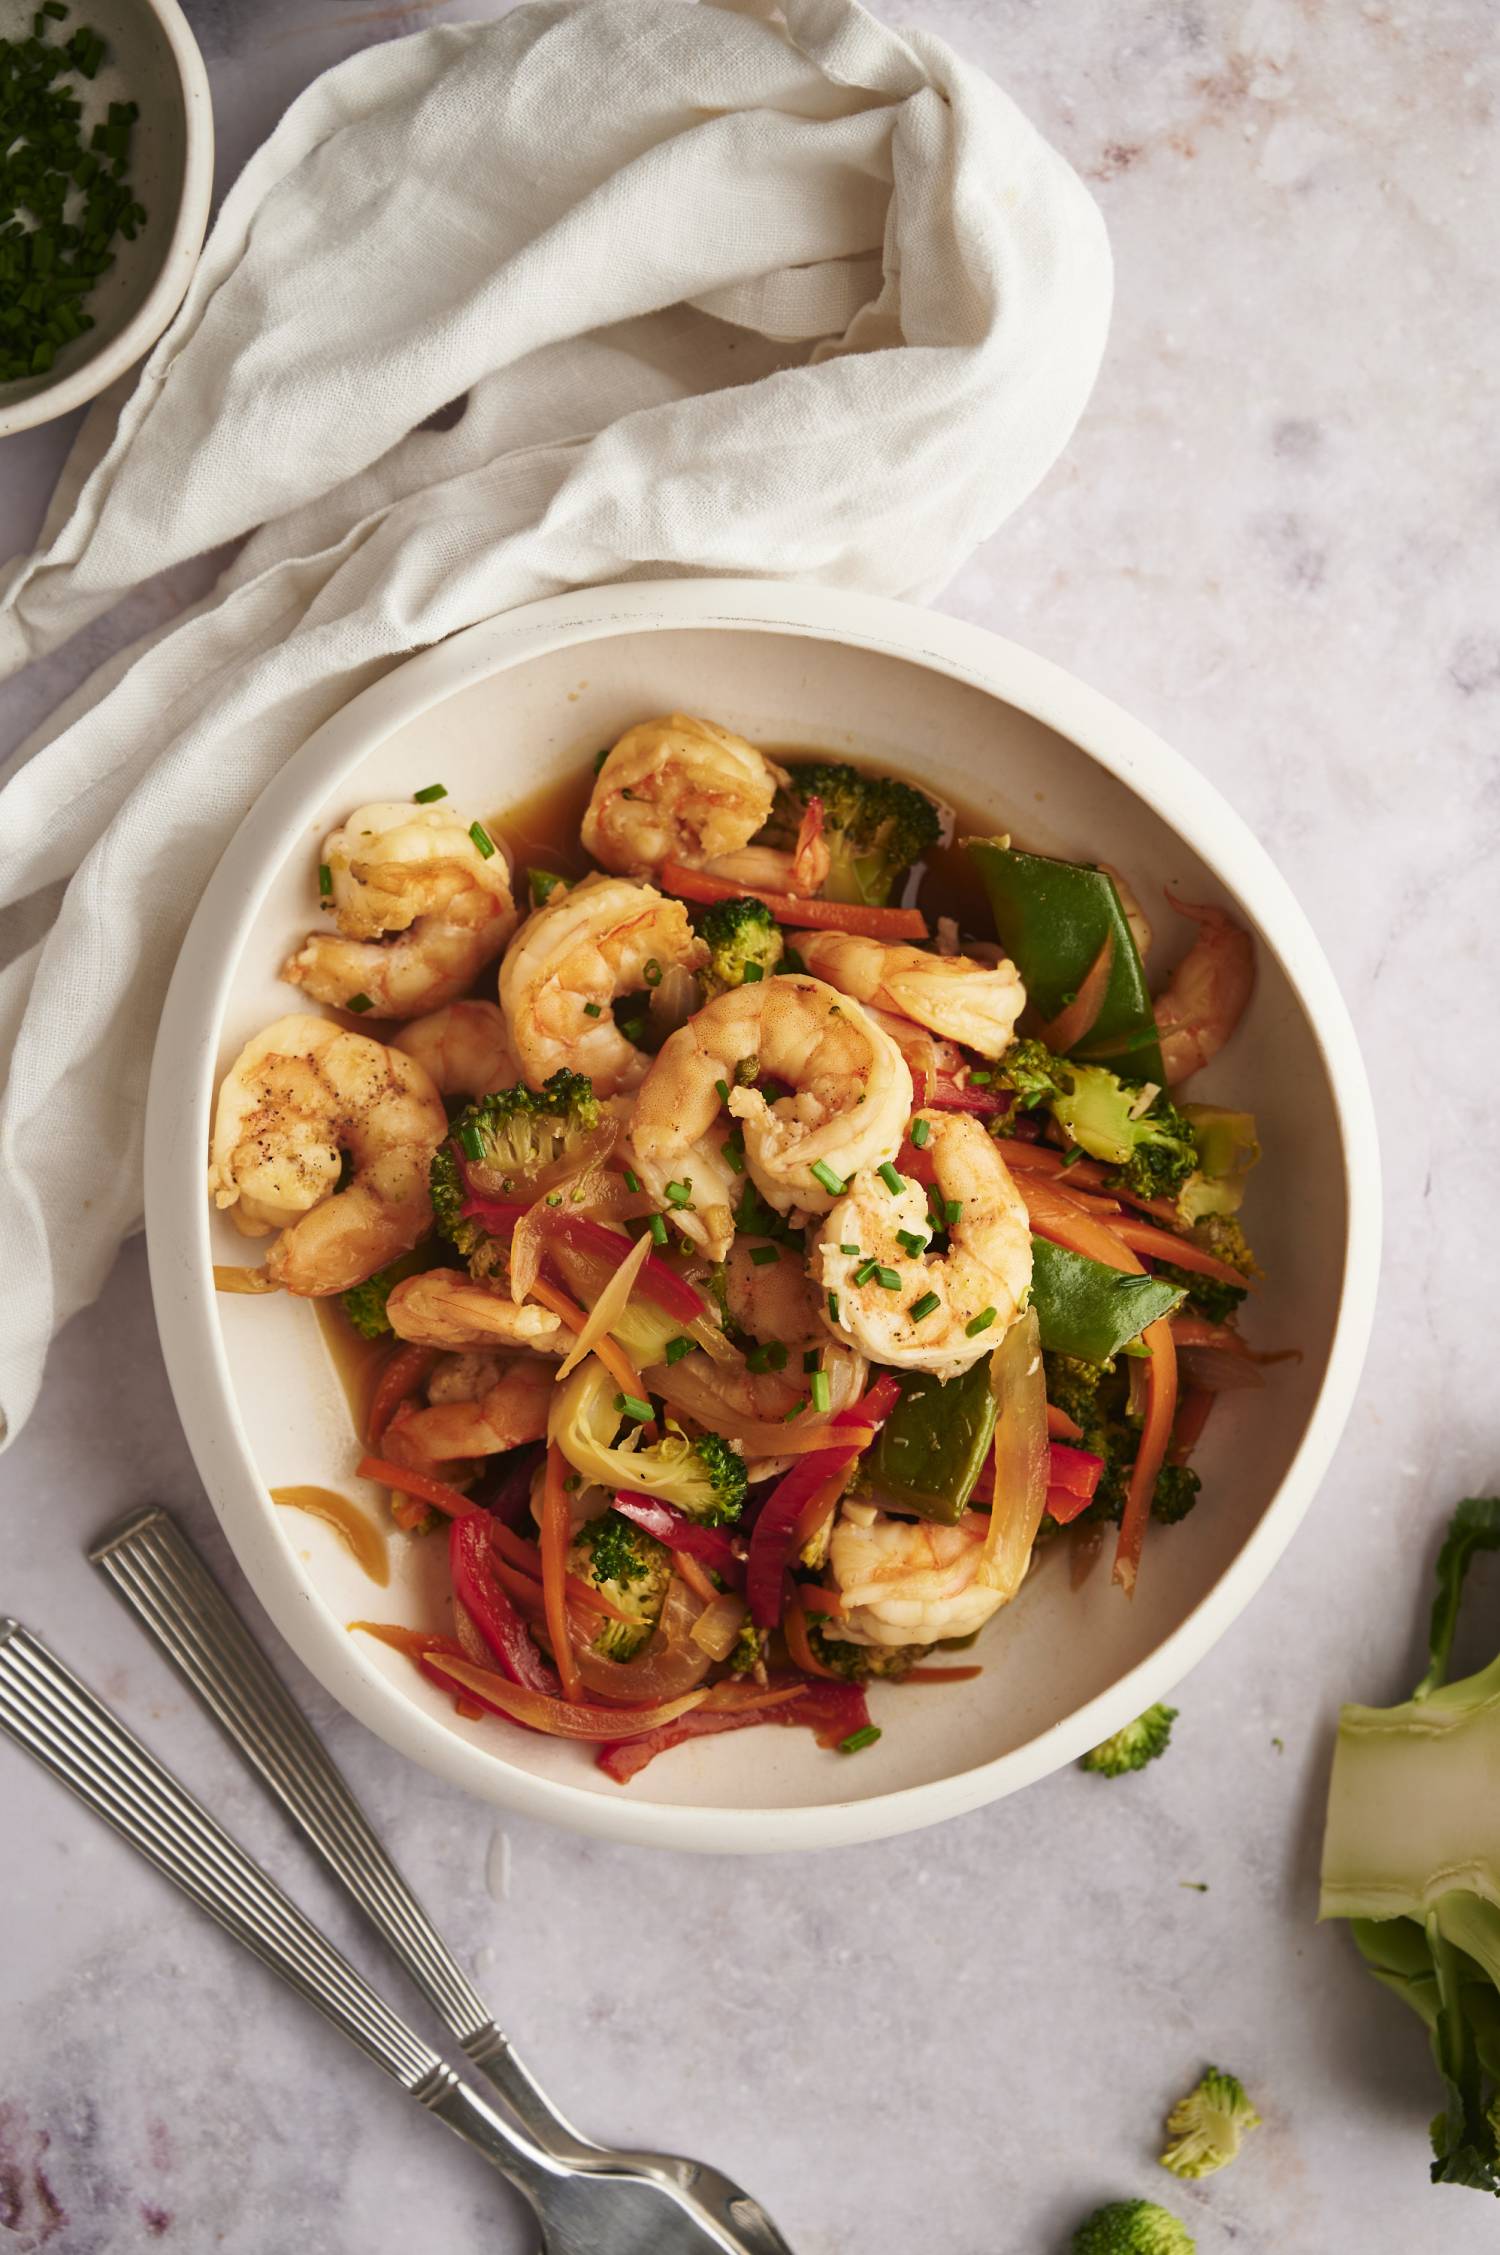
(776, 1356)
(325, 880)
(359, 1002)
(631, 1405)
(1072, 1159)
(757, 1361)
(634, 1029)
(796, 1410)
(471, 1140)
(541, 884)
(592, 1010)
(658, 1230)
(979, 1077)
(850, 1251)
(911, 1241)
(680, 1193)
(981, 1322)
(762, 1256)
(821, 1394)
(482, 839)
(754, 973)
(734, 1154)
(632, 1181)
(833, 1183)
(865, 1271)
(677, 1348)
(923, 1307)
(893, 1182)
(833, 1307)
(791, 960)
(921, 1133)
(952, 1209)
(889, 1279)
(430, 792)
(721, 1089)
(859, 1739)
(810, 1360)
(651, 972)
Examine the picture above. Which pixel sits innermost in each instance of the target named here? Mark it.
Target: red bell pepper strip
(1077, 1471)
(657, 1280)
(771, 1541)
(483, 1597)
(680, 1533)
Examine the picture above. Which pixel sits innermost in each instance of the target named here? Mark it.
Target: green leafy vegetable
(933, 1446)
(1089, 1310)
(1206, 2127)
(1411, 1856)
(1132, 1748)
(1052, 918)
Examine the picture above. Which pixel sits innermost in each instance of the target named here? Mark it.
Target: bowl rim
(189, 226)
(177, 1218)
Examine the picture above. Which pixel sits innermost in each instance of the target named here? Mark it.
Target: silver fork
(615, 2210)
(154, 1567)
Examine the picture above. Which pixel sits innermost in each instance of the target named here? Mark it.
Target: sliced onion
(466, 1629)
(609, 1307)
(1022, 1456)
(669, 1663)
(719, 1624)
(1076, 1022)
(561, 1718)
(674, 998)
(1212, 1371)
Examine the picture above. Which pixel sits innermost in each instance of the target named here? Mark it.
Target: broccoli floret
(744, 944)
(859, 1663)
(499, 1143)
(1133, 2227)
(748, 1651)
(1214, 1301)
(1094, 1395)
(1032, 1073)
(630, 1568)
(1133, 1747)
(723, 1467)
(364, 1304)
(874, 828)
(1223, 1236)
(1116, 1121)
(1206, 2127)
(1175, 1493)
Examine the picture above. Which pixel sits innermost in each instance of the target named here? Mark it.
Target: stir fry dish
(775, 1224)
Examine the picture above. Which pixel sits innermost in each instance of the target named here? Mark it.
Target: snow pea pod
(1052, 918)
(1088, 1310)
(933, 1446)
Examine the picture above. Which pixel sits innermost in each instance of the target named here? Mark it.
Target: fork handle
(159, 1573)
(50, 1715)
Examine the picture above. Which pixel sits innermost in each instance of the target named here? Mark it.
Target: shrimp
(952, 995)
(677, 789)
(772, 1300)
(1206, 995)
(298, 1096)
(851, 1095)
(771, 869)
(907, 1581)
(464, 1047)
(442, 1308)
(478, 1405)
(981, 1280)
(415, 872)
(570, 962)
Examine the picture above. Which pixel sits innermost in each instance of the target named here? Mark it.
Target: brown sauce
(359, 1534)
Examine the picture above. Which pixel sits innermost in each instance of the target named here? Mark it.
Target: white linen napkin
(727, 290)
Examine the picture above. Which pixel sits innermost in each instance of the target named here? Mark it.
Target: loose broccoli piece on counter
(874, 828)
(500, 1143)
(1133, 2227)
(364, 1304)
(1133, 1747)
(632, 1570)
(744, 944)
(1126, 1125)
(1206, 2127)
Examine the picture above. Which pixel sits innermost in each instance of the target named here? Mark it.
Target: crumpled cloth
(726, 290)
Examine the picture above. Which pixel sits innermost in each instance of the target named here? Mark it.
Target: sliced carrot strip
(1060, 1427)
(799, 1644)
(554, 1551)
(791, 909)
(1156, 1434)
(438, 1492)
(813, 1598)
(613, 1357)
(687, 1568)
(1160, 1245)
(401, 1374)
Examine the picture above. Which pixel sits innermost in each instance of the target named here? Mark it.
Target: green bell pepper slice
(933, 1445)
(1052, 918)
(1088, 1310)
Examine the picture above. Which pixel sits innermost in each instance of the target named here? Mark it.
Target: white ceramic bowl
(498, 709)
(154, 60)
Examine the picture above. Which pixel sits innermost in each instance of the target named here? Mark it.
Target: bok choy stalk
(1411, 1856)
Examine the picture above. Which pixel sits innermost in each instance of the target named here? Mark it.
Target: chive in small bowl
(104, 115)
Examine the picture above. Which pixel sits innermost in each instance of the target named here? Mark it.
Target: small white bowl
(493, 713)
(153, 60)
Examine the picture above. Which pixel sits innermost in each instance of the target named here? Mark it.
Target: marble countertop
(1277, 538)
